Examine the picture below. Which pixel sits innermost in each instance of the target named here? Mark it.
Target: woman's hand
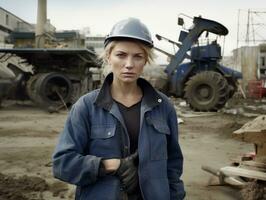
(111, 165)
(128, 173)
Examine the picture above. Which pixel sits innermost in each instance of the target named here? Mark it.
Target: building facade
(63, 39)
(251, 62)
(96, 43)
(10, 23)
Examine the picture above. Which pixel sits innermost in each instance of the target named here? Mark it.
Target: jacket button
(160, 100)
(109, 133)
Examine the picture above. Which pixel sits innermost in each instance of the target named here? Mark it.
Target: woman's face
(127, 60)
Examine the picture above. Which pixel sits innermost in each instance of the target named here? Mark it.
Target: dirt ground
(28, 136)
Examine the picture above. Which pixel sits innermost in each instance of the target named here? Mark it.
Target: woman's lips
(128, 74)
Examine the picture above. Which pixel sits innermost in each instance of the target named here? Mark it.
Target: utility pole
(237, 40)
(248, 24)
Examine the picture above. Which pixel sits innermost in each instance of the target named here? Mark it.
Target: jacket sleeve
(70, 160)
(175, 160)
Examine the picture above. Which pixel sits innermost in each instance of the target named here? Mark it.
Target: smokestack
(41, 21)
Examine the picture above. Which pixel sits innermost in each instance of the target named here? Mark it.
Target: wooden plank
(234, 181)
(254, 164)
(236, 171)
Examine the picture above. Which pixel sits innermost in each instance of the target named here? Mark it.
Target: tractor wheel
(206, 91)
(50, 89)
(231, 90)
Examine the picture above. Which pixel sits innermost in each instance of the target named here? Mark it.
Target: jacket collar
(151, 97)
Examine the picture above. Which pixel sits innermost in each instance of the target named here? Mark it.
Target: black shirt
(131, 116)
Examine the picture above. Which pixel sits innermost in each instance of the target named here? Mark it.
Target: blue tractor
(203, 81)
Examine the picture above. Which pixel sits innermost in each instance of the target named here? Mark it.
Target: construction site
(220, 102)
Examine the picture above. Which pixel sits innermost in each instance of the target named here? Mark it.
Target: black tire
(206, 91)
(47, 89)
(76, 93)
(31, 87)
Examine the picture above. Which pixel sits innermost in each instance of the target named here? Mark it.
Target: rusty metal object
(41, 74)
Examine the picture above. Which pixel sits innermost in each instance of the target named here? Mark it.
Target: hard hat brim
(127, 38)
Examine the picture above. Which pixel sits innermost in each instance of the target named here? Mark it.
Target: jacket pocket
(158, 139)
(103, 141)
(102, 131)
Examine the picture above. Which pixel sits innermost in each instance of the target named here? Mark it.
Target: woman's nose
(129, 63)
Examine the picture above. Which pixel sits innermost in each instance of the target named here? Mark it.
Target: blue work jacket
(95, 129)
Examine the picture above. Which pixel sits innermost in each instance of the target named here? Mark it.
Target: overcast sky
(159, 15)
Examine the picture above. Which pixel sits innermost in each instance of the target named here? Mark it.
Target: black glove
(128, 172)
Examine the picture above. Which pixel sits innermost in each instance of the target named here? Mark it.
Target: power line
(255, 27)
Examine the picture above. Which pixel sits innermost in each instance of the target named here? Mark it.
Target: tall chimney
(41, 21)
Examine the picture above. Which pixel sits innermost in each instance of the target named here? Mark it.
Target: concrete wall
(249, 63)
(245, 59)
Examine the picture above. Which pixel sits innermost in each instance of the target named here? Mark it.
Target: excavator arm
(199, 26)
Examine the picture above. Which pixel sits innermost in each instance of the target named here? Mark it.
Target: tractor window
(7, 20)
(262, 61)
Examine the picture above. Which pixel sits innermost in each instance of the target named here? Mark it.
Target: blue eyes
(121, 55)
(124, 56)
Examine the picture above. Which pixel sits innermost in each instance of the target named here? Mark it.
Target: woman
(120, 142)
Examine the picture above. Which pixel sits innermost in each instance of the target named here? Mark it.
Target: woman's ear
(108, 62)
(108, 59)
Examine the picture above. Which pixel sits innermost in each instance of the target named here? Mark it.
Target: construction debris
(250, 171)
(255, 132)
